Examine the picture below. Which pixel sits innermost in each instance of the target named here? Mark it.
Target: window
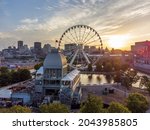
(38, 82)
(46, 82)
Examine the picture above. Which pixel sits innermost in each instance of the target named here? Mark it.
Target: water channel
(101, 79)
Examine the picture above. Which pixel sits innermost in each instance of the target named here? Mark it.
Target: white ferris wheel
(74, 42)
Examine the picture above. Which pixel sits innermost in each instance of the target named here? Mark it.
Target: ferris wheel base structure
(75, 39)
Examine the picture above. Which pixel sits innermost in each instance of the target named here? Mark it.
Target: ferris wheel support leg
(87, 59)
(74, 57)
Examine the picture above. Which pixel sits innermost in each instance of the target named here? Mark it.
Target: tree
(90, 67)
(24, 74)
(129, 77)
(37, 66)
(117, 77)
(15, 76)
(93, 104)
(117, 66)
(4, 70)
(16, 109)
(108, 78)
(99, 67)
(124, 67)
(145, 81)
(10, 77)
(5, 79)
(117, 108)
(107, 67)
(137, 103)
(54, 108)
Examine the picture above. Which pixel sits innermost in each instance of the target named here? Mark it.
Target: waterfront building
(141, 55)
(54, 80)
(55, 68)
(70, 92)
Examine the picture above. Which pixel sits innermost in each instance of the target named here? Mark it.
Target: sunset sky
(120, 23)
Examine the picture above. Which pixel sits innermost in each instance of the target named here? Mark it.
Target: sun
(118, 41)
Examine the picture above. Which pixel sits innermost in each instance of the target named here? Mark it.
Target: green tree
(117, 108)
(54, 108)
(145, 81)
(16, 109)
(108, 78)
(129, 77)
(15, 76)
(5, 79)
(37, 66)
(24, 74)
(137, 103)
(93, 104)
(117, 77)
(4, 70)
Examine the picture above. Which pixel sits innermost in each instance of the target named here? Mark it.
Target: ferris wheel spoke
(83, 35)
(73, 37)
(87, 43)
(62, 43)
(86, 58)
(96, 60)
(74, 57)
(76, 35)
(89, 38)
(71, 56)
(79, 34)
(70, 39)
(86, 36)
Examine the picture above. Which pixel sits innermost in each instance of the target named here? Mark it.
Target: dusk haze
(119, 23)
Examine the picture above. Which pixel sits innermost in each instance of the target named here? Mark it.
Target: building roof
(5, 92)
(40, 71)
(55, 59)
(71, 75)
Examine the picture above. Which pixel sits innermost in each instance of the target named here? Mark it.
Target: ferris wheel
(76, 41)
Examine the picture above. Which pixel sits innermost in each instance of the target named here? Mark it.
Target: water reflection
(102, 79)
(95, 79)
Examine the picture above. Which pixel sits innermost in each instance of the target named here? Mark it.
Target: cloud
(5, 35)
(107, 17)
(29, 21)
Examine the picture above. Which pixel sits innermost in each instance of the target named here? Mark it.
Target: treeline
(109, 65)
(134, 103)
(8, 77)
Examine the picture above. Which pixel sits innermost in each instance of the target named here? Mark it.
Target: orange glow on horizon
(118, 41)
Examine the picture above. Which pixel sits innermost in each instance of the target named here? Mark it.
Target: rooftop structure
(55, 60)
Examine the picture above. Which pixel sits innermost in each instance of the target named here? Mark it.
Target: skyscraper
(20, 44)
(37, 46)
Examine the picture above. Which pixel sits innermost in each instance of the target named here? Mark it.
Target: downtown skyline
(117, 22)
